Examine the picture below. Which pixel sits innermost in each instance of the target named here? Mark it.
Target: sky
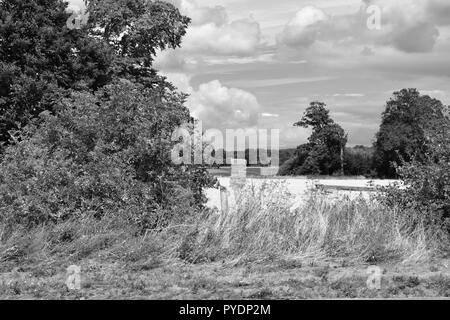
(259, 63)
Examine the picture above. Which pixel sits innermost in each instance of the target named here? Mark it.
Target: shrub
(108, 152)
(359, 161)
(427, 192)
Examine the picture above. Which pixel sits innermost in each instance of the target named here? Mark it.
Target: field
(282, 279)
(266, 247)
(298, 187)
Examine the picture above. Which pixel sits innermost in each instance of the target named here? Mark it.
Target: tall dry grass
(263, 225)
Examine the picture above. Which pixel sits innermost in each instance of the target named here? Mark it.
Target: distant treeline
(358, 160)
(254, 157)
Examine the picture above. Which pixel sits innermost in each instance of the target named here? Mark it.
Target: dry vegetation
(261, 249)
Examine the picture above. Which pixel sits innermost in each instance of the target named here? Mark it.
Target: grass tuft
(263, 226)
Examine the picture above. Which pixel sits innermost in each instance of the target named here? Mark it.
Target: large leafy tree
(41, 59)
(324, 152)
(135, 30)
(95, 136)
(402, 134)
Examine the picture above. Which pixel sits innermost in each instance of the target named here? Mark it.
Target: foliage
(286, 154)
(315, 116)
(108, 152)
(322, 154)
(41, 59)
(91, 120)
(407, 117)
(427, 181)
(359, 161)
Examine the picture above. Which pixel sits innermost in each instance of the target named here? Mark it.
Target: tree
(108, 152)
(42, 60)
(358, 161)
(315, 116)
(402, 134)
(91, 120)
(323, 154)
(426, 197)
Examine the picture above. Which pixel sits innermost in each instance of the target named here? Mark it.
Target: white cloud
(408, 27)
(219, 106)
(359, 65)
(203, 14)
(211, 32)
(180, 80)
(350, 95)
(303, 29)
(216, 105)
(240, 37)
(270, 115)
(170, 60)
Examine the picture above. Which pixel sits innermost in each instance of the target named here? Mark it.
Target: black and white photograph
(250, 151)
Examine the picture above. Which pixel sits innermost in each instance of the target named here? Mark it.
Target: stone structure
(237, 182)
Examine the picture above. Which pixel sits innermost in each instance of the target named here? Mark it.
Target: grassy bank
(260, 249)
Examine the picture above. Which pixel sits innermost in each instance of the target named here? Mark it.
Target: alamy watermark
(374, 19)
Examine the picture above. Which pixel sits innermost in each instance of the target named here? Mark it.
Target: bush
(427, 191)
(359, 162)
(108, 152)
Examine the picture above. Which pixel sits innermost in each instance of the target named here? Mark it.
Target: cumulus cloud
(202, 14)
(303, 29)
(216, 105)
(181, 81)
(406, 25)
(212, 39)
(170, 60)
(240, 37)
(211, 32)
(219, 106)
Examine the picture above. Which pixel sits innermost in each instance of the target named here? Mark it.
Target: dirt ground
(178, 280)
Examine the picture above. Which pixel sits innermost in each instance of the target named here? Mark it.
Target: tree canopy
(41, 59)
(402, 134)
(86, 119)
(323, 154)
